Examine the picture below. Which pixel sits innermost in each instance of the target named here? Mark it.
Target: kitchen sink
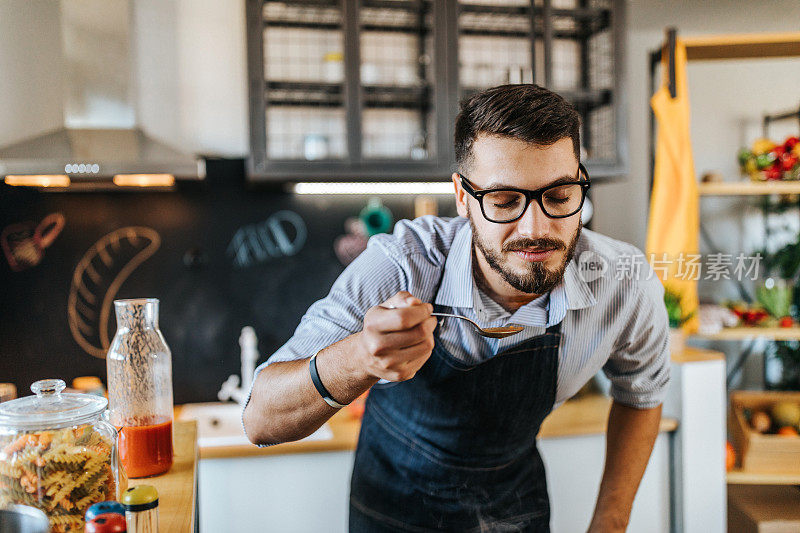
(220, 424)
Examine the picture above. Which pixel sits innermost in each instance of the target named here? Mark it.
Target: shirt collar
(457, 287)
(579, 295)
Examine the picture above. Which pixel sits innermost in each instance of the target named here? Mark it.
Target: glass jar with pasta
(58, 453)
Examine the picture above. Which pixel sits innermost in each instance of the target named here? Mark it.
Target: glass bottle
(139, 365)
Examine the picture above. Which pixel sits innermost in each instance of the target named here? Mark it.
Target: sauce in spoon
(504, 329)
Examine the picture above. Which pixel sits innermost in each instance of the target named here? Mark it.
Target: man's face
(511, 249)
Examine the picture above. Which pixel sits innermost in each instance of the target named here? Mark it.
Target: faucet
(248, 343)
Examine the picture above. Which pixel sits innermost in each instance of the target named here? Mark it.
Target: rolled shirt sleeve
(639, 364)
(390, 263)
(370, 279)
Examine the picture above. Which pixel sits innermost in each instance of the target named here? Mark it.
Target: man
(448, 438)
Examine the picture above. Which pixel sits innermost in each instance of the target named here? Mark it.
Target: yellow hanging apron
(673, 227)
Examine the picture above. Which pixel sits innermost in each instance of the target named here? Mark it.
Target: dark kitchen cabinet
(369, 89)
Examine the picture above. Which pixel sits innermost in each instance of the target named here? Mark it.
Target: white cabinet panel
(574, 470)
(294, 493)
(301, 493)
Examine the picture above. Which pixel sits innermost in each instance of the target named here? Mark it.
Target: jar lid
(140, 498)
(104, 508)
(50, 408)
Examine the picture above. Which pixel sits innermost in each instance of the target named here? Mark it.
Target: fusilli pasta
(60, 471)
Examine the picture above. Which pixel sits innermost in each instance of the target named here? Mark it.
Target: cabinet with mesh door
(573, 47)
(369, 89)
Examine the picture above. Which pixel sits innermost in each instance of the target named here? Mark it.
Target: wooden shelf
(742, 477)
(748, 188)
(742, 46)
(742, 333)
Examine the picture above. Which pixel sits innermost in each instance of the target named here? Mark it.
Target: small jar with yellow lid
(141, 509)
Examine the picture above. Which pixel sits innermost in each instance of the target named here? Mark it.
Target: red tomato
(786, 322)
(751, 317)
(788, 161)
(790, 143)
(773, 173)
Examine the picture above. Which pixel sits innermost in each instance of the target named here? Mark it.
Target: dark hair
(525, 111)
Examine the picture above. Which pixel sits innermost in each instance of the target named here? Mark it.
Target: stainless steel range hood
(97, 153)
(100, 137)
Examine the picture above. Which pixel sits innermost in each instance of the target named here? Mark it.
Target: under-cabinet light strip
(144, 180)
(38, 180)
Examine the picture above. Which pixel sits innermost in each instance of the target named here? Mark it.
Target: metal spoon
(495, 333)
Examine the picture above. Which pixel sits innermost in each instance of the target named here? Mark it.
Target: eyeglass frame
(478, 194)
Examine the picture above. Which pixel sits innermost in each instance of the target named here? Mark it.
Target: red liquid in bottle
(146, 450)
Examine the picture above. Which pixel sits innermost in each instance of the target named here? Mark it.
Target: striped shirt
(613, 321)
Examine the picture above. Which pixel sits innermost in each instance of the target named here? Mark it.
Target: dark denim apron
(454, 448)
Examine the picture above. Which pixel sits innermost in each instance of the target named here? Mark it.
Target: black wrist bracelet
(312, 366)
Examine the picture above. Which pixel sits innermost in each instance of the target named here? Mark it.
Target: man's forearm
(286, 406)
(629, 442)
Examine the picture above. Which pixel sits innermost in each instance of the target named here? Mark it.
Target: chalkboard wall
(219, 255)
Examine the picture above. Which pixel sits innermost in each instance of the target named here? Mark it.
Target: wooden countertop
(691, 354)
(587, 415)
(177, 494)
(345, 430)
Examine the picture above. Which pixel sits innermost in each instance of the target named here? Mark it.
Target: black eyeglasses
(559, 200)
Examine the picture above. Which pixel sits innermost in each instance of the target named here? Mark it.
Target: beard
(537, 279)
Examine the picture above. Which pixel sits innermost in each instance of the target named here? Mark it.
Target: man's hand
(397, 338)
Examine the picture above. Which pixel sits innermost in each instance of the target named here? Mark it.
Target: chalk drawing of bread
(100, 273)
